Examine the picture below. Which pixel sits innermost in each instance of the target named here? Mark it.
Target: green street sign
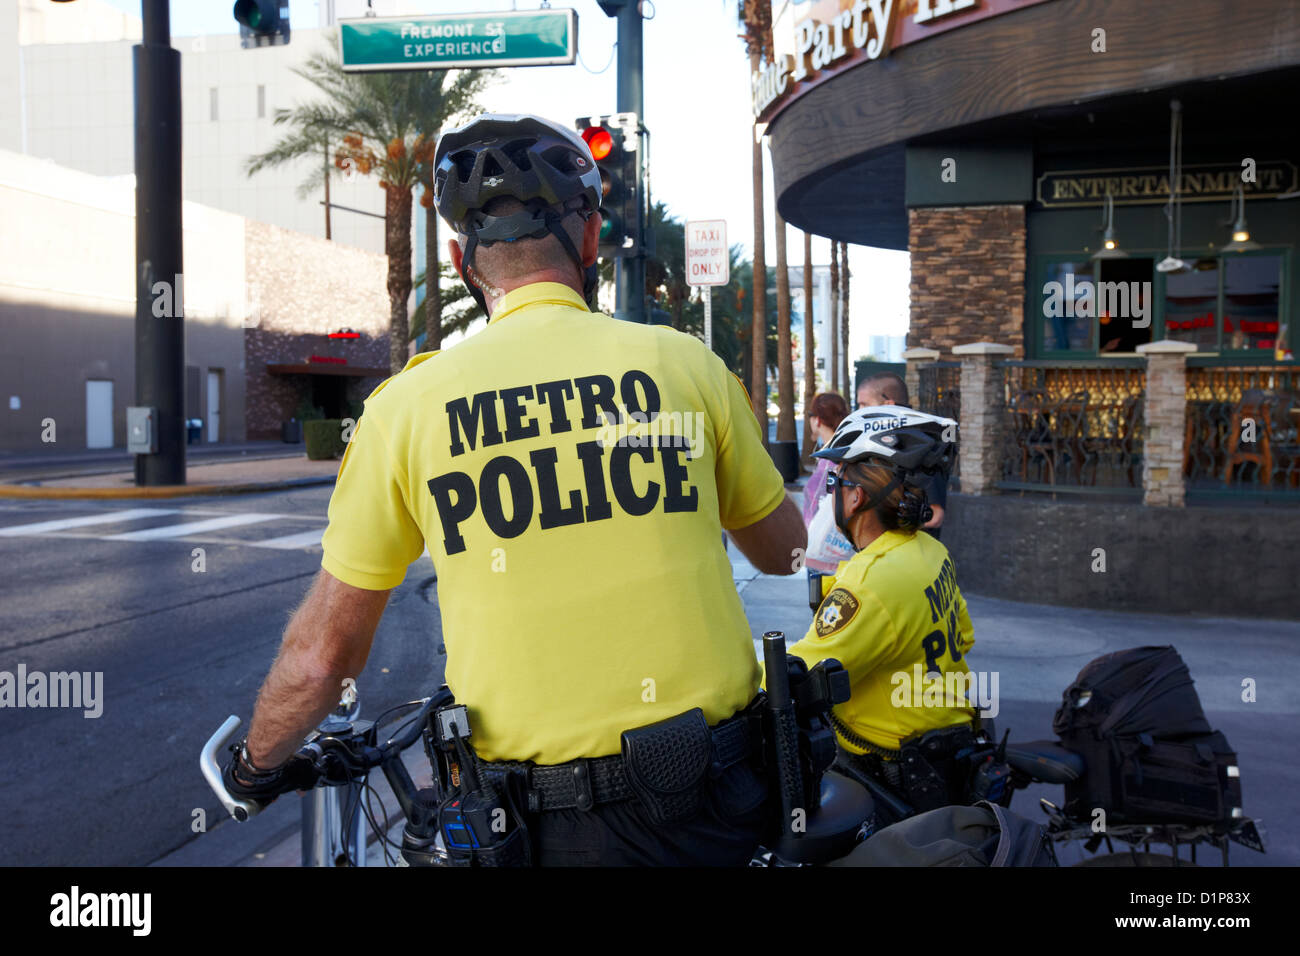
(460, 41)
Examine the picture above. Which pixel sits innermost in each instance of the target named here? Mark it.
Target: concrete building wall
(67, 95)
(67, 302)
(301, 289)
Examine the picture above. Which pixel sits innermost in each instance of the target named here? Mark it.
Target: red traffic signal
(614, 146)
(599, 141)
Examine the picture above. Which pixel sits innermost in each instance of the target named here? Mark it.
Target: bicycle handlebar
(241, 810)
(339, 752)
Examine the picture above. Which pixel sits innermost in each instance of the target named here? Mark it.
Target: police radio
(480, 822)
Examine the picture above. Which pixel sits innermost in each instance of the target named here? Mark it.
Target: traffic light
(616, 145)
(262, 22)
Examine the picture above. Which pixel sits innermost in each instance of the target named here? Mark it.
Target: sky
(697, 108)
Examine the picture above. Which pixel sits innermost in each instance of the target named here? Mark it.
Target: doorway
(99, 413)
(214, 404)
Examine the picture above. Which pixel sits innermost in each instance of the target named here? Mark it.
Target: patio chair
(1120, 449)
(1284, 437)
(1255, 410)
(1032, 433)
(1069, 419)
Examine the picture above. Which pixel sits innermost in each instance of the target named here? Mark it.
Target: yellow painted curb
(159, 491)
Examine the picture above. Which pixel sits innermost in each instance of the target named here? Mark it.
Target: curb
(162, 491)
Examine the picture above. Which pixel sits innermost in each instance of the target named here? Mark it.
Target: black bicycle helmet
(545, 166)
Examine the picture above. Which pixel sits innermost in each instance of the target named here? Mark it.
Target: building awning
(323, 368)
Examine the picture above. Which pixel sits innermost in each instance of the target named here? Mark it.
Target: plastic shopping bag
(826, 543)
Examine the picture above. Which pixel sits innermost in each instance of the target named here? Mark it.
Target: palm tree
(784, 360)
(756, 17)
(390, 122)
(809, 344)
(846, 372)
(453, 309)
(665, 270)
(835, 312)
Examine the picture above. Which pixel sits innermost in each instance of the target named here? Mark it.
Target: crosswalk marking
(305, 539)
(63, 524)
(190, 528)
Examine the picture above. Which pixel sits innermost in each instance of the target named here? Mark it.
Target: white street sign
(707, 262)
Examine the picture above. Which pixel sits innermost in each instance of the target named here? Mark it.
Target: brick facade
(301, 288)
(968, 276)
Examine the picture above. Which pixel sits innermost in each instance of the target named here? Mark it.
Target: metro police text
(609, 474)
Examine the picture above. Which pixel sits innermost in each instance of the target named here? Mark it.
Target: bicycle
(343, 751)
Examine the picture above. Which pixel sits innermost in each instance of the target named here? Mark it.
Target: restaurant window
(1065, 327)
(1192, 305)
(1229, 303)
(1092, 307)
(1252, 301)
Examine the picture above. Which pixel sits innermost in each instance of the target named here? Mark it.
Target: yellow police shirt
(571, 475)
(898, 623)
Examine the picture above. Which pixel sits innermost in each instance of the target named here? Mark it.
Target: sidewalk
(266, 467)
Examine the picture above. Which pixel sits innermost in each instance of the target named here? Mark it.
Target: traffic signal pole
(629, 272)
(159, 295)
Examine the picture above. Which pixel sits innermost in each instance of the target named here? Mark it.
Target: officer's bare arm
(327, 639)
(774, 543)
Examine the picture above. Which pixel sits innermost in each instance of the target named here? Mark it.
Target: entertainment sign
(460, 41)
(1148, 185)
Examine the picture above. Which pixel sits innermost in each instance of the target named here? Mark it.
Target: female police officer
(895, 618)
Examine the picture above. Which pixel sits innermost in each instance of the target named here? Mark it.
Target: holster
(936, 767)
(667, 764)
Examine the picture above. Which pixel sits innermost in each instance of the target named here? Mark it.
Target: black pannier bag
(1135, 718)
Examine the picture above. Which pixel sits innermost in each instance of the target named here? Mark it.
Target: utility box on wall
(141, 430)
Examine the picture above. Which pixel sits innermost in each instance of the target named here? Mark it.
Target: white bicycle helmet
(899, 437)
(902, 440)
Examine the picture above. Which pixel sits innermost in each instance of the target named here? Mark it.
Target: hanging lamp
(1241, 241)
(1109, 243)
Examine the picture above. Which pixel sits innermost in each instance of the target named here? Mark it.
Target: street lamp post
(159, 288)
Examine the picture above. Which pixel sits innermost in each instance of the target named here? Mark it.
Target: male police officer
(570, 475)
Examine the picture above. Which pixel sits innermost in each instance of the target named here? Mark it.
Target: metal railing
(939, 393)
(1243, 430)
(1072, 426)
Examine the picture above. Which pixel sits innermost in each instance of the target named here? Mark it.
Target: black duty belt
(590, 781)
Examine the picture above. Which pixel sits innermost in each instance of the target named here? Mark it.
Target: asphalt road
(112, 588)
(179, 650)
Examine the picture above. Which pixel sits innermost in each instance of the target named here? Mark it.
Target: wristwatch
(252, 767)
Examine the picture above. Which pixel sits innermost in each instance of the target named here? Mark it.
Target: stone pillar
(979, 250)
(915, 358)
(1164, 417)
(980, 446)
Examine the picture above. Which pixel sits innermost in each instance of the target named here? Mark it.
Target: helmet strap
(590, 278)
(843, 523)
(588, 274)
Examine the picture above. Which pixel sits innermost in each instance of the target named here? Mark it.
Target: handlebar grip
(241, 810)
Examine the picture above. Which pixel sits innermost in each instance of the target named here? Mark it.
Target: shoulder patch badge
(838, 608)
